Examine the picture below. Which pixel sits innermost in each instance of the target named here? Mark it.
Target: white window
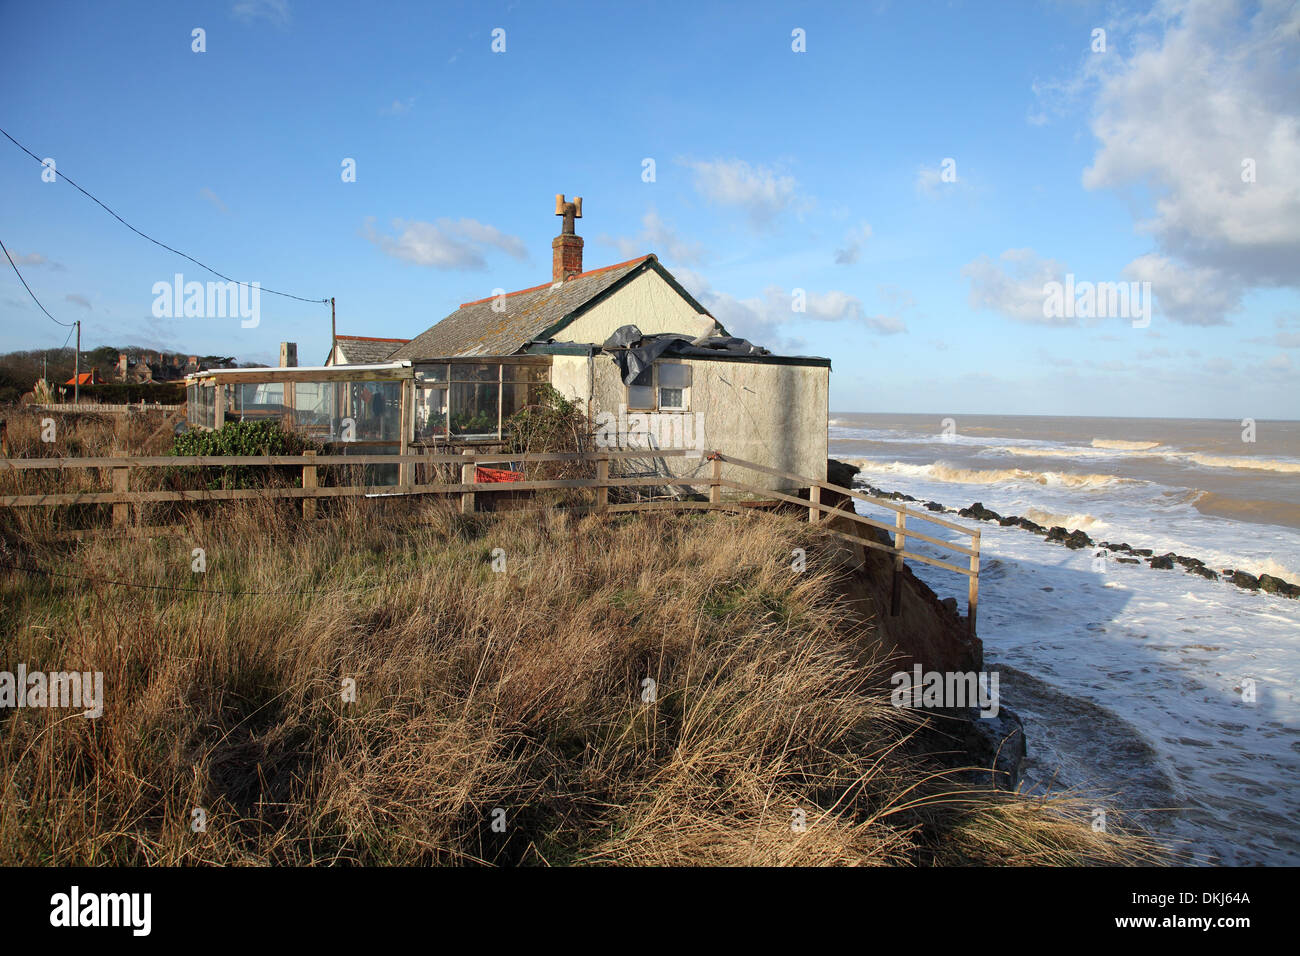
(674, 383)
(662, 387)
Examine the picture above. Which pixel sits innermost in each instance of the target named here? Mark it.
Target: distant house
(361, 350)
(86, 378)
(639, 354)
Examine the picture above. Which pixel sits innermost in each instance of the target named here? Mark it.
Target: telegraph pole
(76, 369)
(334, 335)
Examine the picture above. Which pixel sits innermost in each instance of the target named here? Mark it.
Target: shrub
(243, 438)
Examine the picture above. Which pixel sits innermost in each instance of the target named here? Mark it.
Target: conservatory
(390, 406)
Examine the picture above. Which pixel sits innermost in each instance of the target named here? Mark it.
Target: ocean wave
(1253, 464)
(1117, 444)
(1048, 519)
(952, 474)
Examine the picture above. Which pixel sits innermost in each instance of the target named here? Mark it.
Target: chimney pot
(566, 248)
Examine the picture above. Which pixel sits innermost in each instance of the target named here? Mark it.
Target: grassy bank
(516, 697)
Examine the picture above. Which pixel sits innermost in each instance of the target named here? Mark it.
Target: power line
(66, 325)
(164, 245)
(167, 587)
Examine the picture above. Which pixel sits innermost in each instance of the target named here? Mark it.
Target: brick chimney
(566, 248)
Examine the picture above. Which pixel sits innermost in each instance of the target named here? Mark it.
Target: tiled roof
(367, 350)
(475, 329)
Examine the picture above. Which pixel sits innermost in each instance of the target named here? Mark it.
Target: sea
(1169, 699)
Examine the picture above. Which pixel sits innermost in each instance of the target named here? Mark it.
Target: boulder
(1031, 526)
(1077, 539)
(933, 506)
(1163, 562)
(1203, 572)
(1277, 586)
(978, 511)
(1245, 580)
(1143, 552)
(1117, 547)
(1057, 533)
(1128, 561)
(1189, 563)
(1008, 520)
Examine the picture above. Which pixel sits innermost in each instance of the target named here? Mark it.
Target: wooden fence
(121, 497)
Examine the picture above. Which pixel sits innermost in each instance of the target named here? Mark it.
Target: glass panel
(474, 410)
(430, 413)
(475, 373)
(672, 398)
(674, 376)
(525, 373)
(431, 373)
(640, 396)
(514, 398)
(375, 409)
(258, 400)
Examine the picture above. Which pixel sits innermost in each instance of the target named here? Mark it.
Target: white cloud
(1015, 287)
(1176, 120)
(399, 107)
(760, 191)
(76, 299)
(1190, 296)
(764, 318)
(445, 243)
(659, 237)
(854, 240)
(276, 11)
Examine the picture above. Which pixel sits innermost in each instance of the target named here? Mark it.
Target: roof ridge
(546, 285)
(369, 338)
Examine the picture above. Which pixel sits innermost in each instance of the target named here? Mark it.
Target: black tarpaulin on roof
(633, 352)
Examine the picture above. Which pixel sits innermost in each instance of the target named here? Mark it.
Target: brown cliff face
(926, 631)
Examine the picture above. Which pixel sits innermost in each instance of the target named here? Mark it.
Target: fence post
(602, 489)
(121, 484)
(467, 477)
(309, 482)
(814, 498)
(900, 541)
(715, 485)
(973, 595)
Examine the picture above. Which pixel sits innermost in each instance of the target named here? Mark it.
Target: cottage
(647, 363)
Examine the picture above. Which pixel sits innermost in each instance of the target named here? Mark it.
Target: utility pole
(76, 369)
(334, 335)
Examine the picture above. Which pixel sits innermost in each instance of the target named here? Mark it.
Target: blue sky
(775, 171)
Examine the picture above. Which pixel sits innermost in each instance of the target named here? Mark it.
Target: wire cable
(151, 238)
(66, 325)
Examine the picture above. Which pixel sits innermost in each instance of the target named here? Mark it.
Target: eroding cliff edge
(929, 633)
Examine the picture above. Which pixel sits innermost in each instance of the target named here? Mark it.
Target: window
(663, 386)
(674, 380)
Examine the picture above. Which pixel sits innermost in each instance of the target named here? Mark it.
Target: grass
(499, 718)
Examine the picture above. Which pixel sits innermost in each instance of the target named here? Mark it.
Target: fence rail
(121, 497)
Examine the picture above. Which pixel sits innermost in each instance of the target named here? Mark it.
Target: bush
(243, 438)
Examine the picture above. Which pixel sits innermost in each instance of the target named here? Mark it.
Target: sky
(891, 185)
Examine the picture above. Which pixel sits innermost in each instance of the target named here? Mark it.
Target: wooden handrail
(121, 497)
